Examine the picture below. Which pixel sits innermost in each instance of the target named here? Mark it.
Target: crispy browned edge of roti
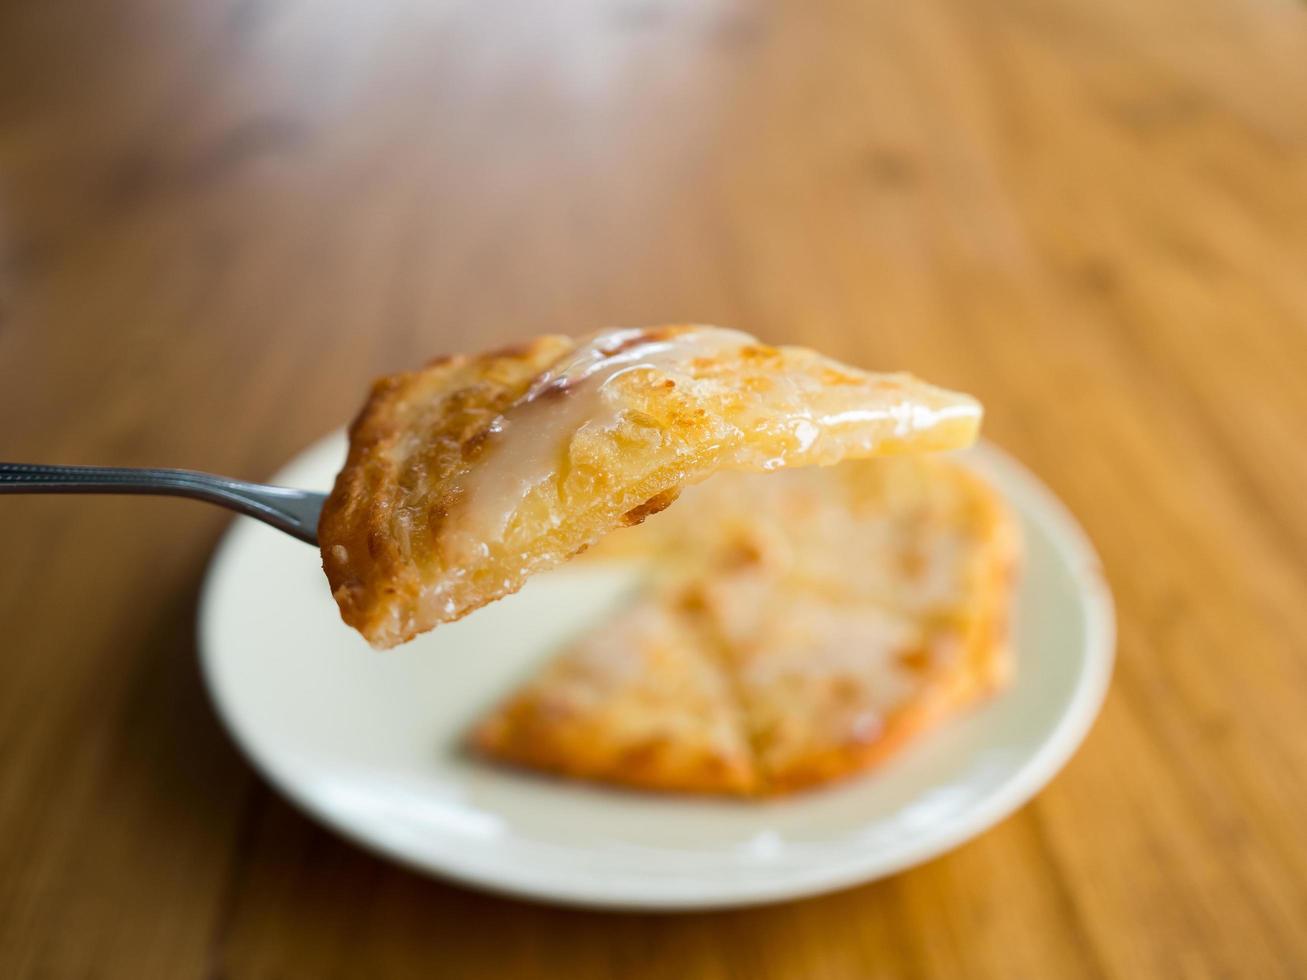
(984, 668)
(365, 566)
(514, 735)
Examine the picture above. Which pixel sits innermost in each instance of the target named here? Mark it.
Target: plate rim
(1033, 497)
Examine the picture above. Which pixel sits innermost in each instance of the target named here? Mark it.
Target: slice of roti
(845, 610)
(641, 702)
(465, 478)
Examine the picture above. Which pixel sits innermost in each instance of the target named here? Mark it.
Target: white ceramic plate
(369, 742)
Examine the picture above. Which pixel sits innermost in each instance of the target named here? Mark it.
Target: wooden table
(219, 220)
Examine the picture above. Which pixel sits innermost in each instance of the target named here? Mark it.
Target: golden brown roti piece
(640, 702)
(850, 608)
(465, 478)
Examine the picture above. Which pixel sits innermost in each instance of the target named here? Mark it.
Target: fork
(294, 511)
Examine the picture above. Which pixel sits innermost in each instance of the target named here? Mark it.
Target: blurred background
(220, 220)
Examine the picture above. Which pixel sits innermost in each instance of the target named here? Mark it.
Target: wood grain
(219, 220)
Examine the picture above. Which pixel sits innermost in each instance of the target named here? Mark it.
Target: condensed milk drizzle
(527, 442)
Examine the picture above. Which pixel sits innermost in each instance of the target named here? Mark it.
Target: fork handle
(293, 511)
